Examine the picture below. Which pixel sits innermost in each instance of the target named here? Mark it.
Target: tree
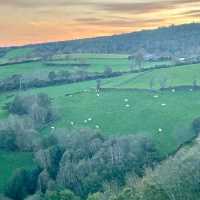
(21, 184)
(139, 58)
(8, 140)
(98, 86)
(163, 82)
(82, 75)
(95, 196)
(194, 83)
(196, 125)
(35, 197)
(43, 100)
(49, 159)
(52, 76)
(64, 74)
(151, 83)
(90, 161)
(61, 195)
(4, 198)
(107, 71)
(131, 62)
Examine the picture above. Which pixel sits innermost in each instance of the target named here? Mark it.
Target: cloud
(43, 3)
(119, 22)
(66, 19)
(190, 14)
(144, 7)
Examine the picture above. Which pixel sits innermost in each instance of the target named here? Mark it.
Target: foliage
(88, 160)
(22, 183)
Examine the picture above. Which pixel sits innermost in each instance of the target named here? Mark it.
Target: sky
(35, 21)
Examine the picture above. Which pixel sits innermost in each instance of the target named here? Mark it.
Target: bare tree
(152, 83)
(98, 86)
(163, 82)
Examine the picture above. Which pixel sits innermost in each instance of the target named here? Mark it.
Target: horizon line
(92, 37)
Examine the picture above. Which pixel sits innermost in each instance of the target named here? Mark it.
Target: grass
(16, 53)
(11, 161)
(144, 116)
(3, 100)
(28, 69)
(97, 63)
(176, 76)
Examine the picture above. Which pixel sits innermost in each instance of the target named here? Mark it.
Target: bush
(21, 184)
(8, 140)
(61, 195)
(196, 125)
(83, 161)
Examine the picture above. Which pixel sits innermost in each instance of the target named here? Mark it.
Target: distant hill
(182, 40)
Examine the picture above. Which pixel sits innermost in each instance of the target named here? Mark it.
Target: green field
(164, 116)
(16, 53)
(96, 62)
(146, 114)
(10, 161)
(176, 76)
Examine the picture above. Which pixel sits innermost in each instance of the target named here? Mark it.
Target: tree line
(27, 114)
(83, 162)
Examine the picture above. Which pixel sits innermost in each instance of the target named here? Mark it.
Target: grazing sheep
(72, 123)
(97, 126)
(163, 104)
(155, 96)
(89, 119)
(126, 100)
(160, 130)
(127, 105)
(173, 90)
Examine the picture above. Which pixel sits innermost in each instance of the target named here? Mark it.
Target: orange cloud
(34, 21)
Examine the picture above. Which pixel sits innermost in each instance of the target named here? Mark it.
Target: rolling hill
(182, 40)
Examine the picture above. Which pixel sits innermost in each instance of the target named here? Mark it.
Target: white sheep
(173, 90)
(72, 123)
(160, 130)
(97, 126)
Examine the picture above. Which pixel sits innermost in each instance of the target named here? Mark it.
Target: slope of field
(173, 40)
(95, 62)
(3, 100)
(163, 116)
(16, 54)
(175, 76)
(10, 161)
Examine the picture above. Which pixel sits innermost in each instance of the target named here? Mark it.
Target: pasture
(163, 116)
(175, 76)
(124, 106)
(70, 62)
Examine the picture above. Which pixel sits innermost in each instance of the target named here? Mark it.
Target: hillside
(183, 40)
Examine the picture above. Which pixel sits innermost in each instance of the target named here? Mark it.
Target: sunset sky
(33, 21)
